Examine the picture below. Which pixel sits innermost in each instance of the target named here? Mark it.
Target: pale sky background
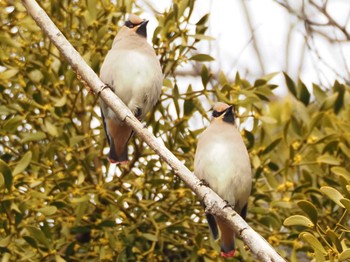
(233, 48)
(272, 26)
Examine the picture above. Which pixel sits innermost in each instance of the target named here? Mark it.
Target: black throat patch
(229, 116)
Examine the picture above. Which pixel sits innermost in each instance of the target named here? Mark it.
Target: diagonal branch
(215, 205)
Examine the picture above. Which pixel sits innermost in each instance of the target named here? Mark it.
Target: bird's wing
(213, 226)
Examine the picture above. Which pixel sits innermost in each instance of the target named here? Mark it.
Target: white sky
(233, 48)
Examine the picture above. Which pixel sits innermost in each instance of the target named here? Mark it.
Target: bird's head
(137, 25)
(223, 112)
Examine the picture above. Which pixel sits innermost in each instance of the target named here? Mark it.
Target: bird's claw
(227, 204)
(203, 183)
(102, 88)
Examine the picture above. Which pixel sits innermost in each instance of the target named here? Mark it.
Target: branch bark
(214, 204)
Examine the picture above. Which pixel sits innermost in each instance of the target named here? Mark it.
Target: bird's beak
(145, 22)
(142, 30)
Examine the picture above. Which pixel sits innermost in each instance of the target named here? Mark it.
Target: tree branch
(215, 205)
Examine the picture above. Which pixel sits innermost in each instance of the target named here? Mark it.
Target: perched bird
(222, 161)
(132, 70)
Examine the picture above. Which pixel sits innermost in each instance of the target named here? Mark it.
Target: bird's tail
(228, 246)
(212, 226)
(119, 136)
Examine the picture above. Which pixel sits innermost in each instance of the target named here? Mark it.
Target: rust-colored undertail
(227, 239)
(119, 136)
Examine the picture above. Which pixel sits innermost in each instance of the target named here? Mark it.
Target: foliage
(61, 200)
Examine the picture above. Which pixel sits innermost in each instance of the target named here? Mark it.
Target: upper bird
(222, 161)
(132, 70)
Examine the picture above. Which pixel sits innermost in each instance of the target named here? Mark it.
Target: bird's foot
(204, 183)
(227, 204)
(102, 88)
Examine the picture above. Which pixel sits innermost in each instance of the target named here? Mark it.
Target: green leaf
(315, 120)
(182, 8)
(48, 210)
(271, 179)
(31, 241)
(150, 237)
(202, 37)
(58, 258)
(205, 75)
(334, 238)
(92, 11)
(5, 111)
(7, 174)
(23, 163)
(346, 203)
(341, 171)
(11, 124)
(328, 102)
(107, 223)
(313, 241)
(290, 85)
(80, 199)
(309, 209)
(270, 221)
(7, 40)
(36, 76)
(328, 159)
(271, 146)
(298, 220)
(268, 119)
(51, 129)
(268, 77)
(189, 102)
(339, 102)
(203, 20)
(333, 194)
(61, 102)
(202, 58)
(223, 79)
(319, 94)
(2, 180)
(75, 140)
(168, 83)
(345, 255)
(345, 149)
(9, 73)
(38, 235)
(304, 93)
(4, 242)
(33, 137)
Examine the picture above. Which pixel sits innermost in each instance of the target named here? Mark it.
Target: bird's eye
(129, 24)
(217, 114)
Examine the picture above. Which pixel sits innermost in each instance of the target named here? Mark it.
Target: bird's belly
(227, 172)
(135, 79)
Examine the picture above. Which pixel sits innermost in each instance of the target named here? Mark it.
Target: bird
(133, 72)
(222, 162)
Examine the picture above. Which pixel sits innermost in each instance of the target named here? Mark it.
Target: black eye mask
(130, 24)
(217, 114)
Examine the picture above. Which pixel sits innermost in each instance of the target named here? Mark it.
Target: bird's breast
(224, 163)
(135, 77)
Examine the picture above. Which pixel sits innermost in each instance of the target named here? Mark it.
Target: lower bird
(222, 161)
(132, 70)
